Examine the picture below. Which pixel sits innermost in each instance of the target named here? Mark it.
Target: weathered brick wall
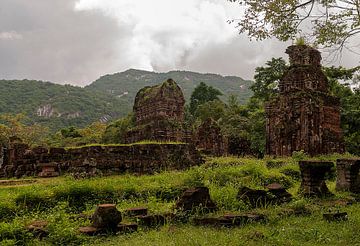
(93, 160)
(163, 101)
(209, 139)
(303, 116)
(162, 130)
(159, 113)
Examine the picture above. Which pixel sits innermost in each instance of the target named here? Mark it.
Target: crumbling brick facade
(304, 116)
(210, 140)
(159, 114)
(97, 160)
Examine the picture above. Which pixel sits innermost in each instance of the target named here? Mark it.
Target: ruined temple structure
(159, 113)
(210, 140)
(304, 116)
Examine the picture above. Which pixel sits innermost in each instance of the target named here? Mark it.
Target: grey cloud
(48, 40)
(57, 44)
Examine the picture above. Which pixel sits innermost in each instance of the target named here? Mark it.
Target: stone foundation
(348, 178)
(99, 160)
(313, 177)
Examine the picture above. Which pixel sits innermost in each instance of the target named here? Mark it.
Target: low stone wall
(97, 160)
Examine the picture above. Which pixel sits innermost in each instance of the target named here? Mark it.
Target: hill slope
(109, 97)
(128, 83)
(58, 106)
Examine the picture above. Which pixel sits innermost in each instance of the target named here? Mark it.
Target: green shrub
(291, 171)
(79, 195)
(8, 242)
(7, 211)
(14, 231)
(299, 155)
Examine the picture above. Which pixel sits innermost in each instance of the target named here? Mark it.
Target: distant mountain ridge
(107, 98)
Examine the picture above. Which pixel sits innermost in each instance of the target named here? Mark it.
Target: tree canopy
(324, 22)
(203, 93)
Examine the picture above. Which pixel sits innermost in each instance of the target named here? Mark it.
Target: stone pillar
(348, 178)
(313, 177)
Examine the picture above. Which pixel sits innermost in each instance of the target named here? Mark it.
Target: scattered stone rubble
(304, 116)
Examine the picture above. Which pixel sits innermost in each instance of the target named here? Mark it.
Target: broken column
(313, 177)
(348, 178)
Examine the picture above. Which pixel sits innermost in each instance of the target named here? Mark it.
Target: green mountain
(108, 98)
(58, 106)
(128, 83)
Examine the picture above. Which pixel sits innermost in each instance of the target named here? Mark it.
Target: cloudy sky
(77, 41)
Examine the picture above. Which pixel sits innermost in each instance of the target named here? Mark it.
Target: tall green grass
(60, 200)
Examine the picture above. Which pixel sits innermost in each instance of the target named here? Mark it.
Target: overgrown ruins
(304, 116)
(159, 114)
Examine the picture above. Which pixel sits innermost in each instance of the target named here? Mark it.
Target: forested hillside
(128, 83)
(110, 97)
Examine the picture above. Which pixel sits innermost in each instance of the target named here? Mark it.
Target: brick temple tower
(159, 114)
(304, 116)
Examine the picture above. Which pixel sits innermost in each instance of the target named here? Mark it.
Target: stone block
(348, 178)
(106, 216)
(313, 177)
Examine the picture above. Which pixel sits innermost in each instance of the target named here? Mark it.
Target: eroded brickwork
(98, 160)
(304, 116)
(159, 114)
(210, 139)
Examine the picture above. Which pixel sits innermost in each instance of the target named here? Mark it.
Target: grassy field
(61, 200)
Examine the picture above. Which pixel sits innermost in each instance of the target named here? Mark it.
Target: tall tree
(202, 94)
(15, 125)
(332, 22)
(267, 78)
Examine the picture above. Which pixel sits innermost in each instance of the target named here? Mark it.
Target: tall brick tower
(304, 116)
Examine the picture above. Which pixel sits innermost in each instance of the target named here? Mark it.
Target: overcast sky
(77, 41)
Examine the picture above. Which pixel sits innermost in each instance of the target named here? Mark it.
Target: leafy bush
(7, 211)
(299, 155)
